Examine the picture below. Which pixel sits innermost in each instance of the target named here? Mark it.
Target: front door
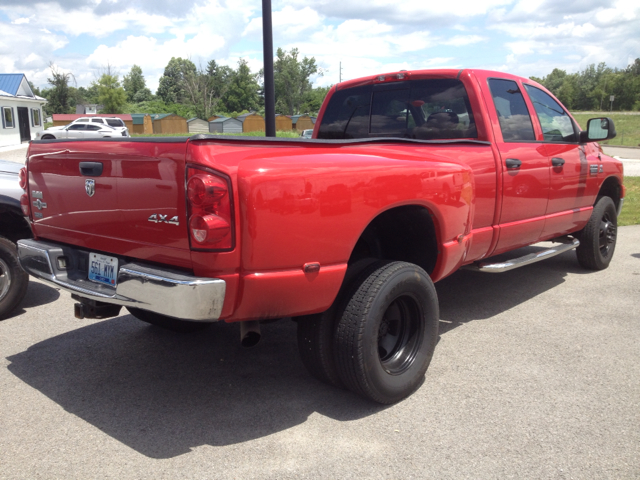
(23, 122)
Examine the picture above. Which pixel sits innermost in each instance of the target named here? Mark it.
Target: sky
(365, 37)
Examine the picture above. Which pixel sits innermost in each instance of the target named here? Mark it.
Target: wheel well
(13, 226)
(403, 234)
(610, 188)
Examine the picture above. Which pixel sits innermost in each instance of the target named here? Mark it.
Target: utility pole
(340, 75)
(269, 88)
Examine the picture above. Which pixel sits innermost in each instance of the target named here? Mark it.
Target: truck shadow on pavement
(162, 393)
(470, 295)
(38, 294)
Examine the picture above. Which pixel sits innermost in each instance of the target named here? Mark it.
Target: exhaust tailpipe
(250, 333)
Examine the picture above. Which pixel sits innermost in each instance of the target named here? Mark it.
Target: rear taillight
(22, 178)
(24, 204)
(210, 210)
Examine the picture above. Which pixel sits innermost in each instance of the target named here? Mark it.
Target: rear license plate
(103, 269)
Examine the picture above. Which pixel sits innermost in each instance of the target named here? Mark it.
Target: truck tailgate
(124, 197)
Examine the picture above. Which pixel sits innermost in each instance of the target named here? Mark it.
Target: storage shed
(283, 123)
(225, 125)
(214, 117)
(169, 123)
(196, 125)
(62, 119)
(301, 122)
(252, 122)
(142, 123)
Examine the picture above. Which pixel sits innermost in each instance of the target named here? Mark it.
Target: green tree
(291, 80)
(134, 82)
(242, 90)
(110, 94)
(171, 85)
(314, 99)
(58, 94)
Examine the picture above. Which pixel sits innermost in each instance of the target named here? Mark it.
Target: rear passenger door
(524, 167)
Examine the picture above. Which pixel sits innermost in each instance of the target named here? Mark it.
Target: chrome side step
(499, 267)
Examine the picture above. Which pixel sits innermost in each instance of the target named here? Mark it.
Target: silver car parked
(78, 130)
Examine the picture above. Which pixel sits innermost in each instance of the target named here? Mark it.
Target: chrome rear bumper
(159, 290)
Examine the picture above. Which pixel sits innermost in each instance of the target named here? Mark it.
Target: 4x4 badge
(159, 218)
(90, 187)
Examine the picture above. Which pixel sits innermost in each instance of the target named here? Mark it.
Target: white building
(20, 110)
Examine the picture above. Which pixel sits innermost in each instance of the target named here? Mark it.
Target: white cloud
(463, 40)
(288, 22)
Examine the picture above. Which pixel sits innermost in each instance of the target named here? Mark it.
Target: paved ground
(535, 376)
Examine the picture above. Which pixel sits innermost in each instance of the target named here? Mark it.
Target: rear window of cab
(429, 109)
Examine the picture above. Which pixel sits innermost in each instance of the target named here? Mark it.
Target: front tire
(168, 323)
(13, 279)
(598, 238)
(386, 336)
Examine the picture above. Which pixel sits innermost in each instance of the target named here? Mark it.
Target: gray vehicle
(13, 227)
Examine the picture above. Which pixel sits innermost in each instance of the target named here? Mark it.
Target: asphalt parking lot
(535, 376)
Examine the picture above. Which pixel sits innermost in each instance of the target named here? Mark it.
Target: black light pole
(269, 90)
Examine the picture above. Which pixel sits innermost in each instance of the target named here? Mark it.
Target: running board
(566, 245)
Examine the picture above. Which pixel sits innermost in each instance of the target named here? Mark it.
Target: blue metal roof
(10, 82)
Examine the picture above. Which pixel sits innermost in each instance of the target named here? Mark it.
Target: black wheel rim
(400, 334)
(606, 235)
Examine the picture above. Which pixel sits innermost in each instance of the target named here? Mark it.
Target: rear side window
(556, 124)
(422, 109)
(114, 122)
(515, 121)
(96, 120)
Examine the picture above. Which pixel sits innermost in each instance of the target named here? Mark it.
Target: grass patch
(630, 214)
(279, 134)
(627, 127)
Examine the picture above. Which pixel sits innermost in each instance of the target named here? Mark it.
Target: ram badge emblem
(90, 186)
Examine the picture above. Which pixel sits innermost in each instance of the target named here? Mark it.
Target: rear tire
(598, 238)
(387, 334)
(13, 279)
(316, 332)
(168, 323)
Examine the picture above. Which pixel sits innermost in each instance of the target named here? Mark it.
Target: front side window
(556, 124)
(429, 109)
(8, 120)
(77, 126)
(35, 116)
(515, 121)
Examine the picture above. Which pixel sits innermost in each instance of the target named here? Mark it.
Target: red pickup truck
(409, 177)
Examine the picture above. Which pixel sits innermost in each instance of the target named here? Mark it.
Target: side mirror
(598, 129)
